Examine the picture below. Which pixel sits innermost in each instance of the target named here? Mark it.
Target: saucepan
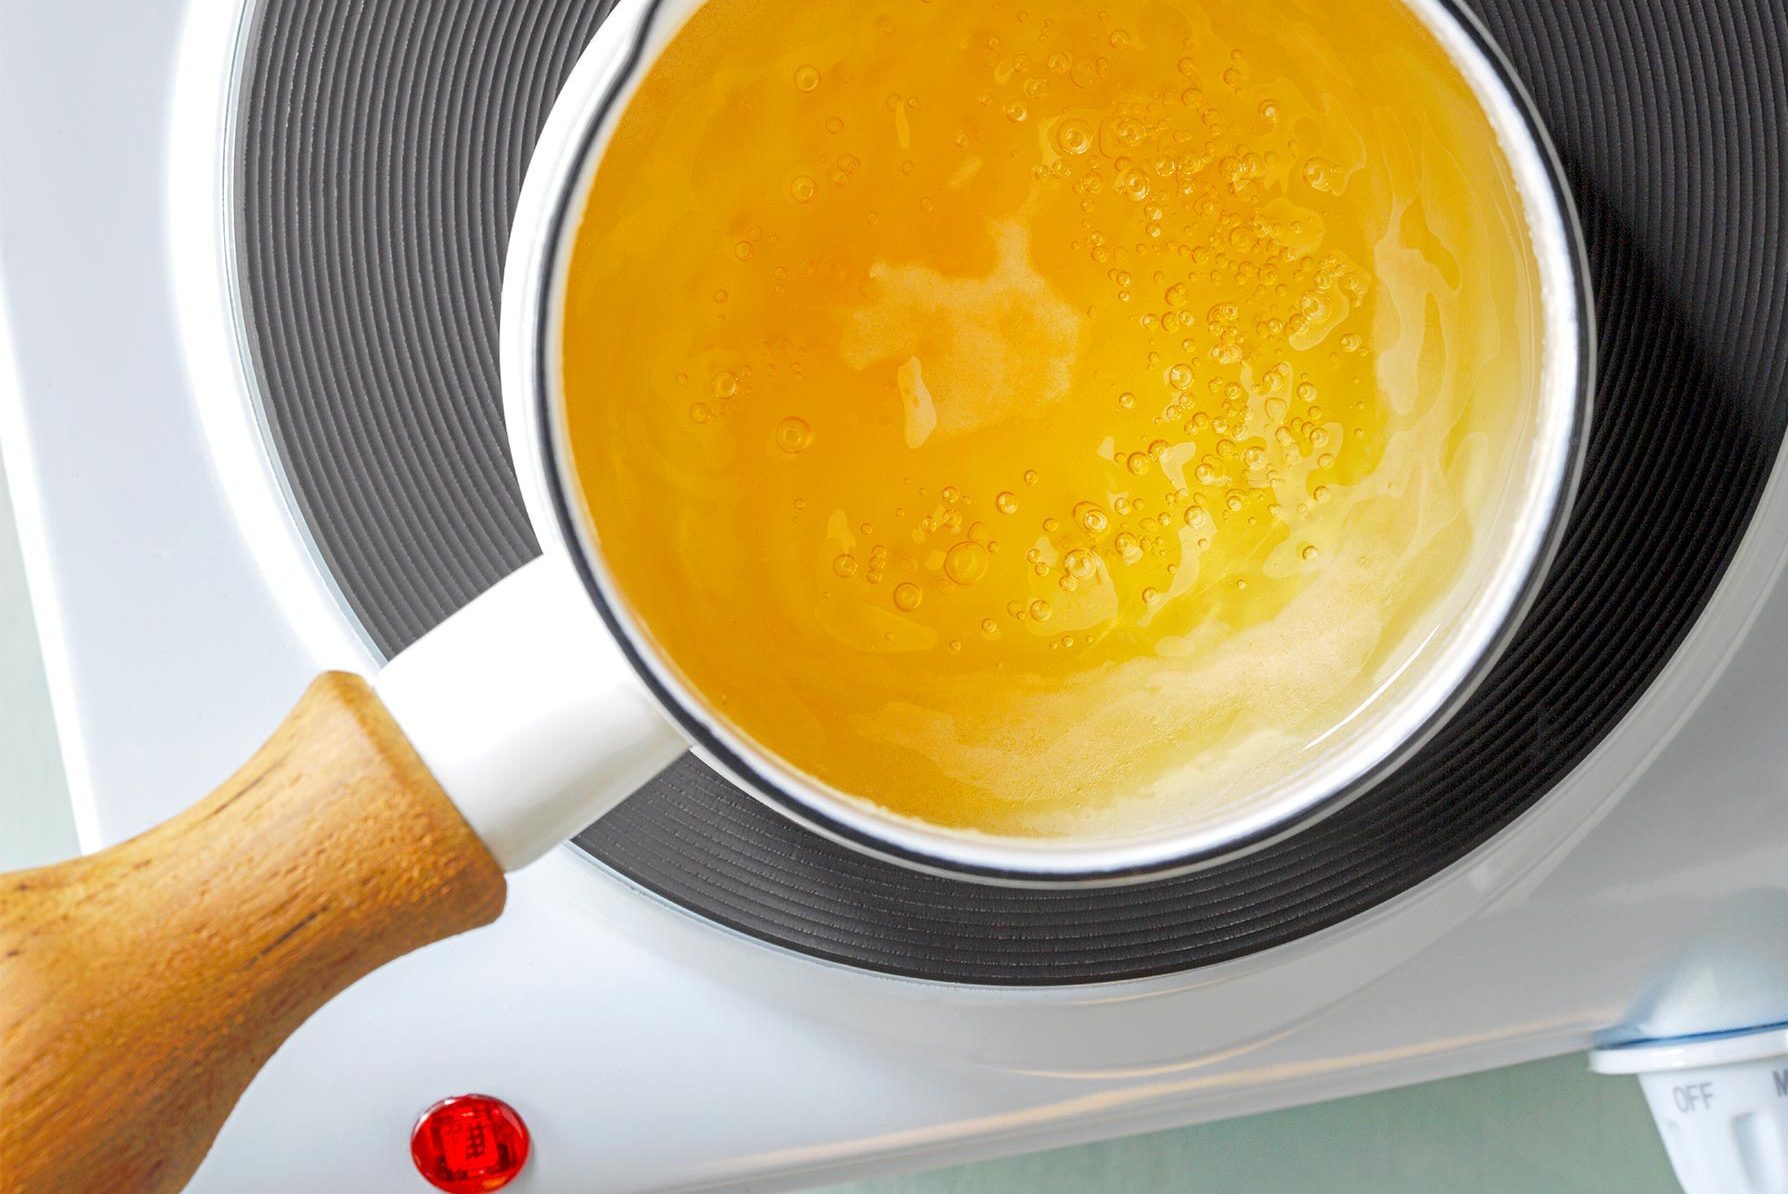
(146, 984)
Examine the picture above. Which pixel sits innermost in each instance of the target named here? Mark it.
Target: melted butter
(1045, 422)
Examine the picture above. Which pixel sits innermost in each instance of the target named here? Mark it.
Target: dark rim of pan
(568, 207)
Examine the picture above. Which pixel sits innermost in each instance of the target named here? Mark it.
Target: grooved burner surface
(381, 147)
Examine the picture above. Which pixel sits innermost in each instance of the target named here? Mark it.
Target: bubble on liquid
(1128, 547)
(793, 434)
(1127, 400)
(1150, 596)
(1309, 552)
(1041, 610)
(1196, 517)
(1081, 564)
(1092, 519)
(725, 384)
(1317, 174)
(801, 189)
(1138, 463)
(845, 565)
(807, 78)
(1006, 502)
(1180, 376)
(989, 628)
(701, 412)
(1016, 112)
(1030, 476)
(1074, 137)
(1051, 524)
(1351, 343)
(744, 250)
(966, 563)
(835, 125)
(1134, 185)
(1320, 493)
(907, 596)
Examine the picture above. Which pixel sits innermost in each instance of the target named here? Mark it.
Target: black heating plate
(381, 147)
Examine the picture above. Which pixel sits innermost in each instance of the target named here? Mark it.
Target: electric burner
(323, 186)
(380, 147)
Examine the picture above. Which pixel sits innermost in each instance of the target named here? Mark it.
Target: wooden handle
(141, 988)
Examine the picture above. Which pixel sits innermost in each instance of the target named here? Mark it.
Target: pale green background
(1545, 1128)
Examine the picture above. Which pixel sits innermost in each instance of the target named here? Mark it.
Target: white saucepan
(142, 987)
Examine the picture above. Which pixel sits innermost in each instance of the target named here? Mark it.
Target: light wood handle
(141, 988)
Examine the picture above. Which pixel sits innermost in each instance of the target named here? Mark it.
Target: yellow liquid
(1043, 418)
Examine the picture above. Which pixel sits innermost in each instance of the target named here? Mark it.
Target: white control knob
(1721, 1102)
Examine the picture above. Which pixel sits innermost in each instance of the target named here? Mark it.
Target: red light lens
(469, 1143)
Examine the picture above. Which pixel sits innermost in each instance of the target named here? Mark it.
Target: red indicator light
(469, 1143)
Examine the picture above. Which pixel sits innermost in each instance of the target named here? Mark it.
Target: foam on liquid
(1045, 418)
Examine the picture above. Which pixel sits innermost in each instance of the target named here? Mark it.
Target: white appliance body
(648, 1049)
